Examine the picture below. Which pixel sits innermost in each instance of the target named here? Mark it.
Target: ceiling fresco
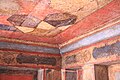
(45, 18)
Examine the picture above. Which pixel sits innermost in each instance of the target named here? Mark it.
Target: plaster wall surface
(114, 72)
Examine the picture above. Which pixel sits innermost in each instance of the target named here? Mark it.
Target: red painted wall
(15, 77)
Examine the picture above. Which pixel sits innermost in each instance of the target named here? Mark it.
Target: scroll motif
(8, 58)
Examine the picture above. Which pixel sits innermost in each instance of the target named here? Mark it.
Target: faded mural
(107, 50)
(48, 18)
(45, 18)
(23, 59)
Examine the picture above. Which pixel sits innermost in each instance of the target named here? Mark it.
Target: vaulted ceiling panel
(50, 20)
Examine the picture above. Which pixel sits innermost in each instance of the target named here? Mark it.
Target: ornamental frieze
(107, 50)
(70, 59)
(82, 57)
(35, 59)
(18, 58)
(7, 57)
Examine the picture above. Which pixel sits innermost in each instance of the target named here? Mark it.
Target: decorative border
(12, 58)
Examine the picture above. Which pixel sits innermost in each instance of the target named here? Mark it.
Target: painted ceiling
(45, 18)
(56, 26)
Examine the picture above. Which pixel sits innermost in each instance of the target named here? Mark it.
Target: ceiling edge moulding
(26, 37)
(102, 43)
(108, 33)
(29, 42)
(97, 37)
(103, 27)
(105, 34)
(27, 48)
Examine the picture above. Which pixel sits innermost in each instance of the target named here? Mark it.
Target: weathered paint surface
(35, 59)
(88, 72)
(8, 28)
(92, 23)
(117, 76)
(71, 75)
(13, 58)
(114, 72)
(101, 17)
(107, 50)
(17, 70)
(14, 73)
(16, 77)
(87, 55)
(80, 57)
(60, 19)
(101, 72)
(108, 33)
(3, 39)
(29, 48)
(53, 74)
